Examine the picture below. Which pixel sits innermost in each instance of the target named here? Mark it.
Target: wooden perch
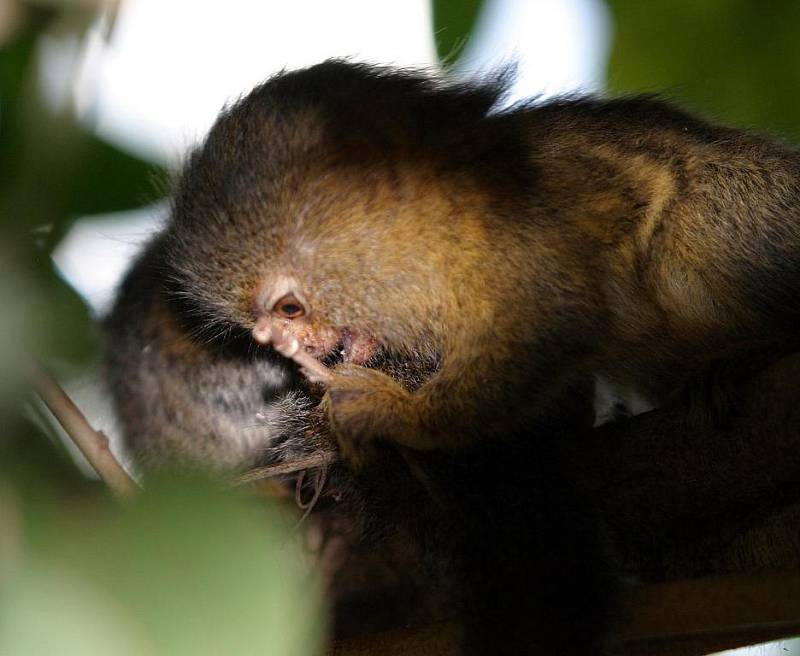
(680, 618)
(703, 616)
(92, 444)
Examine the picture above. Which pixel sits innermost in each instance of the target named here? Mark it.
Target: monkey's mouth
(327, 344)
(352, 348)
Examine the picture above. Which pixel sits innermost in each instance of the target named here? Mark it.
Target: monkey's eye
(289, 307)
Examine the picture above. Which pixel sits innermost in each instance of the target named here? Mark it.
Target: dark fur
(186, 396)
(521, 250)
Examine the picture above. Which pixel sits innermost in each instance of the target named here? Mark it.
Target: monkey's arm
(476, 395)
(508, 347)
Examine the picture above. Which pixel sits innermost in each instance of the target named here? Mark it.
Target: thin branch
(686, 618)
(314, 370)
(318, 459)
(92, 444)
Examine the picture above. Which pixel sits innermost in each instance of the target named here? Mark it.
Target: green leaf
(16, 64)
(734, 60)
(70, 617)
(105, 179)
(186, 571)
(111, 180)
(453, 23)
(52, 171)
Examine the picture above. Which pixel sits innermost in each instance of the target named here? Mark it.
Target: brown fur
(519, 248)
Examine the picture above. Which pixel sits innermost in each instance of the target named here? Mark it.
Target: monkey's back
(693, 230)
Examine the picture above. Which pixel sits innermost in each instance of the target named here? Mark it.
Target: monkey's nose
(268, 331)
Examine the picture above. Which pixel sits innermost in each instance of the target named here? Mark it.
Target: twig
(318, 459)
(92, 444)
(288, 346)
(314, 370)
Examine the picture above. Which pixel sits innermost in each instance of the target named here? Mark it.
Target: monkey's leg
(477, 396)
(366, 404)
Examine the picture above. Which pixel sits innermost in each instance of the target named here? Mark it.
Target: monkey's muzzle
(290, 337)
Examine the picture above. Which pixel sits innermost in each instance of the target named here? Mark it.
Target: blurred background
(101, 101)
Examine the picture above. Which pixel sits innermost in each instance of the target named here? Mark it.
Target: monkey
(187, 398)
(192, 397)
(367, 211)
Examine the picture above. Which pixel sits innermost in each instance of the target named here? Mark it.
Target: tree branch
(92, 444)
(318, 459)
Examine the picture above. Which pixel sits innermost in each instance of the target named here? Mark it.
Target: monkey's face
(338, 259)
(281, 305)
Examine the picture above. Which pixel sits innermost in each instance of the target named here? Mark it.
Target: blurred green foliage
(186, 570)
(52, 171)
(734, 60)
(453, 22)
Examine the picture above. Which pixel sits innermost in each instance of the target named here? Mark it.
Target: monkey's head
(336, 256)
(324, 200)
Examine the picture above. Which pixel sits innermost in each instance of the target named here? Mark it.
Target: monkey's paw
(365, 405)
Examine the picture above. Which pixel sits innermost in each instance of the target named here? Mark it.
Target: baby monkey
(361, 210)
